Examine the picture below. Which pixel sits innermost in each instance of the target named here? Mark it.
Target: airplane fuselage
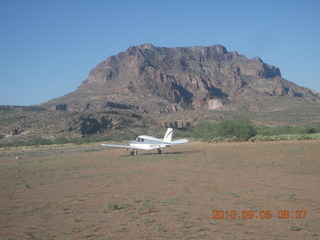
(148, 143)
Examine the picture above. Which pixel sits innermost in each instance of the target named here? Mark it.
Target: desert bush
(306, 130)
(239, 129)
(224, 139)
(60, 140)
(204, 130)
(285, 137)
(280, 130)
(39, 141)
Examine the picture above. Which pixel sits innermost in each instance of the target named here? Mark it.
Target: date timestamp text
(267, 214)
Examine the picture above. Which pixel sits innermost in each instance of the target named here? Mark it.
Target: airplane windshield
(140, 139)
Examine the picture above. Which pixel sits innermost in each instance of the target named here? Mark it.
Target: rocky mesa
(156, 79)
(146, 88)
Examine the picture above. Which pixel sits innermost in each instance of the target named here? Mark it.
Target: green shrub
(39, 141)
(285, 137)
(278, 130)
(204, 130)
(60, 140)
(239, 129)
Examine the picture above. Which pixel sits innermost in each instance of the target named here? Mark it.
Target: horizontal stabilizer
(180, 141)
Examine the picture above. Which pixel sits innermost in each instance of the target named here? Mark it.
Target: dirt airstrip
(270, 190)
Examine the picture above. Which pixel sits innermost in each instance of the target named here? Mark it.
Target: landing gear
(159, 151)
(134, 152)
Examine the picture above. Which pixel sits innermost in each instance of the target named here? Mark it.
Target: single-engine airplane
(148, 143)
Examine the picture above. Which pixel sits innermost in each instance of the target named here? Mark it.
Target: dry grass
(111, 195)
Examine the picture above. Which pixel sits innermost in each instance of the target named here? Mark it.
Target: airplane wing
(180, 141)
(120, 146)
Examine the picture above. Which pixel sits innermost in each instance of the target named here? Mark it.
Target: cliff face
(157, 79)
(121, 90)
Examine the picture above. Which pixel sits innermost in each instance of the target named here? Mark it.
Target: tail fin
(168, 135)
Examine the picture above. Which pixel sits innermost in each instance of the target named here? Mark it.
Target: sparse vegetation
(238, 129)
(293, 227)
(113, 206)
(171, 201)
(241, 129)
(99, 195)
(64, 140)
(202, 228)
(285, 137)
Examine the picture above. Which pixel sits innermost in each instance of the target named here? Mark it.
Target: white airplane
(147, 143)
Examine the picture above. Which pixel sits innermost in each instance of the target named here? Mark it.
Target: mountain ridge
(173, 79)
(147, 88)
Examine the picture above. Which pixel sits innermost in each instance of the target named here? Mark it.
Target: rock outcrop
(146, 88)
(158, 80)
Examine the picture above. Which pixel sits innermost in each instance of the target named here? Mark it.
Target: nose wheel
(159, 151)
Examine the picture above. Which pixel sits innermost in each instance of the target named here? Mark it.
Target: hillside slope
(148, 88)
(156, 80)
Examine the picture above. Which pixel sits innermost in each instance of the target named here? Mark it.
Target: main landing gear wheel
(159, 151)
(134, 152)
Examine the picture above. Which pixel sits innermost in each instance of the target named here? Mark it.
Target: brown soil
(108, 194)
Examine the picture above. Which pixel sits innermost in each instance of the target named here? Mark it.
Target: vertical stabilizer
(168, 135)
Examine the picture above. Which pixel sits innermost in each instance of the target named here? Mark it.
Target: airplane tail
(168, 135)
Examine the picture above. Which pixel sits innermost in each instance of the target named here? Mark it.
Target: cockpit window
(140, 139)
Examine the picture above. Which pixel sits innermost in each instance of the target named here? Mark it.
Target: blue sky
(48, 47)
